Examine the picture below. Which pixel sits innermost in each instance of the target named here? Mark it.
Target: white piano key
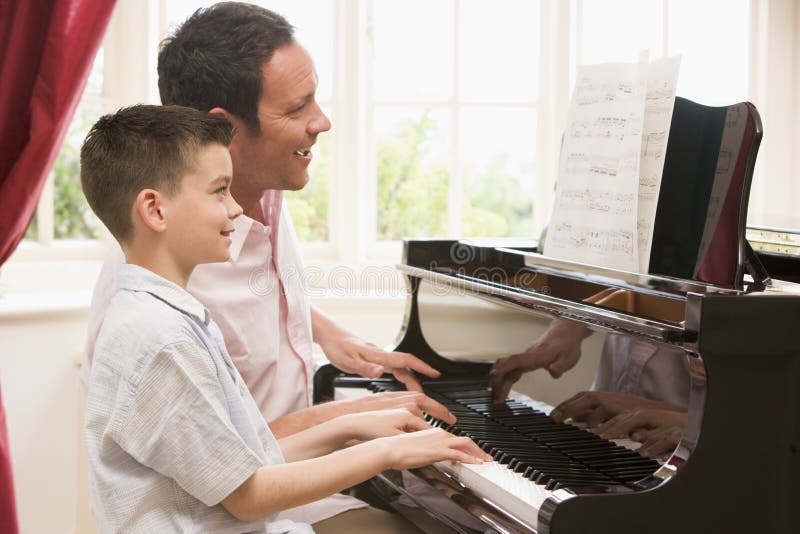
(507, 490)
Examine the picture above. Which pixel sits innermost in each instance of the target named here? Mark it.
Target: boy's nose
(234, 209)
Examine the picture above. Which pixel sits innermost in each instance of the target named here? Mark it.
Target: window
(447, 115)
(63, 213)
(454, 117)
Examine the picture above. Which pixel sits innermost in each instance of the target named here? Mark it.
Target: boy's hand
(411, 400)
(417, 449)
(365, 426)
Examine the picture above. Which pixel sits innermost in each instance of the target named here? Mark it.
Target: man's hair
(215, 59)
(142, 147)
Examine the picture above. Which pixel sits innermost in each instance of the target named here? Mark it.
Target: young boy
(175, 441)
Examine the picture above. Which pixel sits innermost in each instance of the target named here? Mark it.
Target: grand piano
(726, 296)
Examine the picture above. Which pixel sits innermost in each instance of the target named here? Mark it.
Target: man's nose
(320, 123)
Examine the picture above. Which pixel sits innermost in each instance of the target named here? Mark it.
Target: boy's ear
(150, 209)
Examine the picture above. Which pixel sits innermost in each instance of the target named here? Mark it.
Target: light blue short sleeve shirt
(171, 429)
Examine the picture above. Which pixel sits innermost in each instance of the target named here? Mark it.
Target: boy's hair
(215, 59)
(142, 147)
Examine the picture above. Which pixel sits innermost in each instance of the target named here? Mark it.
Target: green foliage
(412, 198)
(309, 206)
(72, 216)
(495, 204)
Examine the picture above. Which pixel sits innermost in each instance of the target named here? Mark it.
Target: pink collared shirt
(263, 311)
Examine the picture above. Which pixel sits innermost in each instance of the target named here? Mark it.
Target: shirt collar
(241, 227)
(136, 278)
(271, 206)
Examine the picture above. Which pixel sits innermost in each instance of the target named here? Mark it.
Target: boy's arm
(273, 488)
(304, 419)
(334, 434)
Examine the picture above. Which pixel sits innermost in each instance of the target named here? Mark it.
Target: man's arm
(410, 400)
(351, 354)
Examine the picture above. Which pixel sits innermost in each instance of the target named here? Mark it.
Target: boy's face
(199, 215)
(290, 120)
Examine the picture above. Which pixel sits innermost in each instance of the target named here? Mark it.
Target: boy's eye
(222, 190)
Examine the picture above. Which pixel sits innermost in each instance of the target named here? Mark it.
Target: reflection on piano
(736, 468)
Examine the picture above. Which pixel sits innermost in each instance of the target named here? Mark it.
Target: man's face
(290, 119)
(200, 213)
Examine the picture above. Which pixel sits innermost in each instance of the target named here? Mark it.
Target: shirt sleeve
(176, 422)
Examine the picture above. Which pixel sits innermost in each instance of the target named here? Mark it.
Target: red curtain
(46, 51)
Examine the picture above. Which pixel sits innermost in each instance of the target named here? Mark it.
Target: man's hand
(351, 354)
(596, 407)
(413, 401)
(558, 350)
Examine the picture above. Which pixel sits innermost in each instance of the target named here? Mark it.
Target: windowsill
(60, 250)
(28, 305)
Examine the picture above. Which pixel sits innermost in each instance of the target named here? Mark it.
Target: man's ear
(150, 209)
(236, 122)
(225, 113)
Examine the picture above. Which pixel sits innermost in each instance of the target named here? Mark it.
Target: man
(242, 62)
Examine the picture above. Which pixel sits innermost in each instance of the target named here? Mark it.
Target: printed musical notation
(614, 242)
(611, 163)
(598, 201)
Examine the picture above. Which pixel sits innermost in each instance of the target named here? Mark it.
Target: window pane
(314, 22)
(713, 37)
(499, 50)
(617, 30)
(32, 232)
(497, 154)
(413, 173)
(413, 50)
(73, 218)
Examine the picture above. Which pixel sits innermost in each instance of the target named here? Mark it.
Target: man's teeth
(303, 153)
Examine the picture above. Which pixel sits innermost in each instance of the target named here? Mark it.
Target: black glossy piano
(726, 296)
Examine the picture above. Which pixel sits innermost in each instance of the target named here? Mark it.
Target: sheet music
(662, 81)
(596, 203)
